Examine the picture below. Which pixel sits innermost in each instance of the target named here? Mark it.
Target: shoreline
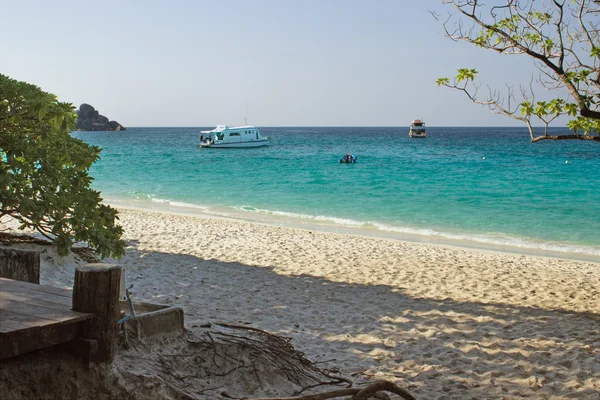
(364, 232)
(436, 320)
(439, 321)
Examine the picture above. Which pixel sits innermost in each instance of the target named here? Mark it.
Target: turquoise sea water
(486, 187)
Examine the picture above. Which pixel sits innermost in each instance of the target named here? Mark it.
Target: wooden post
(20, 265)
(96, 291)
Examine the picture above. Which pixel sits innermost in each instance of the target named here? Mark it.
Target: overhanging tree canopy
(44, 180)
(562, 38)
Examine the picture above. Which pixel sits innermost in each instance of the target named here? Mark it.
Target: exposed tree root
(356, 393)
(239, 362)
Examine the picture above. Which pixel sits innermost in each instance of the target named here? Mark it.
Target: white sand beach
(445, 323)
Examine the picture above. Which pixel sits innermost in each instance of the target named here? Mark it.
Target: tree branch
(543, 33)
(565, 137)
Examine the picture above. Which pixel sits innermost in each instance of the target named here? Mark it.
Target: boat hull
(238, 145)
(417, 129)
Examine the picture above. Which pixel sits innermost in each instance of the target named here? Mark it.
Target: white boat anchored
(224, 136)
(417, 129)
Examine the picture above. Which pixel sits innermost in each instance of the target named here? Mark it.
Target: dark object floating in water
(348, 159)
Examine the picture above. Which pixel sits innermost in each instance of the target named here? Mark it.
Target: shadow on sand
(436, 348)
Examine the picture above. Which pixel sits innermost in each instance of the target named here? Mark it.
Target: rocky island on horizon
(89, 119)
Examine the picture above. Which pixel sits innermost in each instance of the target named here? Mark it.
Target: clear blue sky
(281, 63)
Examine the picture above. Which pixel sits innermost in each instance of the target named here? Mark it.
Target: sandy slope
(443, 322)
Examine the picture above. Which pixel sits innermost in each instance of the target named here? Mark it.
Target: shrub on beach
(44, 172)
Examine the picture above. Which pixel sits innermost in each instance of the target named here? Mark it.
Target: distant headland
(89, 119)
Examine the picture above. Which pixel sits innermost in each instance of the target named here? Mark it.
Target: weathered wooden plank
(46, 290)
(8, 325)
(35, 312)
(35, 297)
(20, 265)
(33, 317)
(18, 343)
(10, 315)
(15, 343)
(10, 321)
(34, 286)
(12, 285)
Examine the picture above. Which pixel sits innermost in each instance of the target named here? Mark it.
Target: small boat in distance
(233, 137)
(417, 129)
(348, 159)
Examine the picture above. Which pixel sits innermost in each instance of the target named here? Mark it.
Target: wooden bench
(34, 317)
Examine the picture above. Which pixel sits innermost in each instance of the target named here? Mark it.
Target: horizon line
(346, 126)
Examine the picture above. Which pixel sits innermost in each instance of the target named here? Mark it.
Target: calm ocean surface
(479, 187)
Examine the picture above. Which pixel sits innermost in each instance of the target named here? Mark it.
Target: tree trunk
(566, 137)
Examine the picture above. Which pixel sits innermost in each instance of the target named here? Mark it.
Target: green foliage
(561, 38)
(526, 108)
(466, 74)
(587, 126)
(443, 81)
(44, 180)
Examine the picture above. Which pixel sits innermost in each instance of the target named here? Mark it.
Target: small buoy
(567, 162)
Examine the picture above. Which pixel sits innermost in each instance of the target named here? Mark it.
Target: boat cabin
(417, 129)
(237, 136)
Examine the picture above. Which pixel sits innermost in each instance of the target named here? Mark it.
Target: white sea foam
(402, 232)
(320, 218)
(140, 195)
(492, 240)
(506, 240)
(179, 204)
